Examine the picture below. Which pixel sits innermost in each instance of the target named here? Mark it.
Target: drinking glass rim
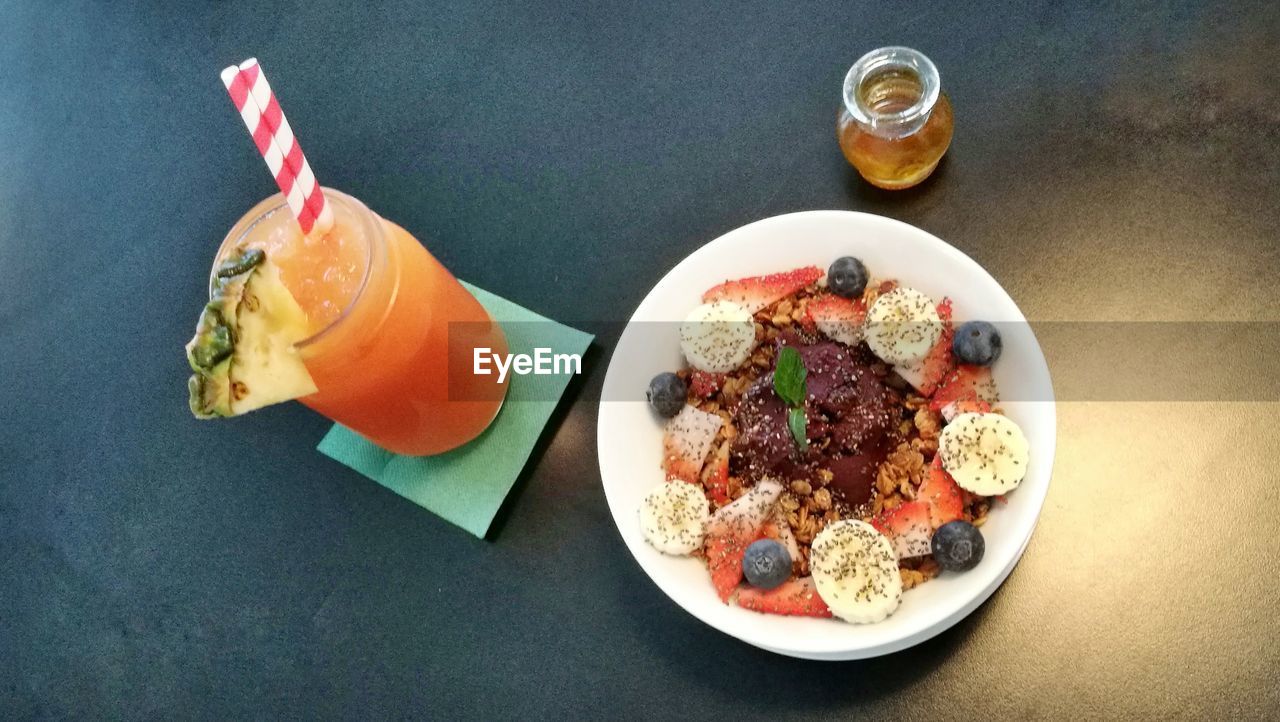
(278, 205)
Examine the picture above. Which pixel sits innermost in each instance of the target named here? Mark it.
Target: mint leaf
(789, 376)
(798, 424)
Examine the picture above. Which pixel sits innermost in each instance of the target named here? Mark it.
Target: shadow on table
(571, 393)
(767, 681)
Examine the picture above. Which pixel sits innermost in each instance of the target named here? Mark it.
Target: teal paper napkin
(466, 486)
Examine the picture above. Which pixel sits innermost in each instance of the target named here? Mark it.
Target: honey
(895, 123)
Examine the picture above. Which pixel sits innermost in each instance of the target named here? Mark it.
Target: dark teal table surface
(1112, 161)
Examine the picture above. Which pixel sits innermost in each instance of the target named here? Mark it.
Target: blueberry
(766, 564)
(977, 342)
(958, 546)
(666, 394)
(847, 277)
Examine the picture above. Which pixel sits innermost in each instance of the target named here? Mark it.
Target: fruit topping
(732, 528)
(977, 343)
(839, 319)
(243, 352)
(718, 337)
(847, 277)
(667, 394)
(766, 564)
(942, 494)
(673, 516)
(715, 476)
(687, 441)
(966, 383)
(704, 385)
(798, 598)
(855, 571)
(987, 454)
(902, 325)
(958, 546)
(964, 406)
(757, 292)
(926, 373)
(909, 526)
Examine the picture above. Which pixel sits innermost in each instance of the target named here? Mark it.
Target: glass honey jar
(895, 123)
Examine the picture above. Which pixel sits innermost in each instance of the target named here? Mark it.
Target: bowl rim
(831, 648)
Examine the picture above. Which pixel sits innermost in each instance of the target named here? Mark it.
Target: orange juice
(390, 327)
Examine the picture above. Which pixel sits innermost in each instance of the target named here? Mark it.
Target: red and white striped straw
(247, 85)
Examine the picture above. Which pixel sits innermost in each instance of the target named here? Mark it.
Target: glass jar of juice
(388, 325)
(895, 123)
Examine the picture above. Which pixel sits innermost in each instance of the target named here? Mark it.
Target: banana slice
(985, 453)
(718, 337)
(902, 325)
(672, 517)
(856, 571)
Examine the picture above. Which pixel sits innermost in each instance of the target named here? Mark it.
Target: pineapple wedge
(243, 351)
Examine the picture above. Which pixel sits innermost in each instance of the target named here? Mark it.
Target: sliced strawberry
(944, 310)
(942, 494)
(795, 597)
(705, 384)
(939, 361)
(732, 528)
(926, 373)
(840, 319)
(724, 559)
(687, 442)
(715, 477)
(964, 406)
(758, 292)
(909, 527)
(966, 383)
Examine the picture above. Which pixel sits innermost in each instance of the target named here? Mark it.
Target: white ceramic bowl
(629, 435)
